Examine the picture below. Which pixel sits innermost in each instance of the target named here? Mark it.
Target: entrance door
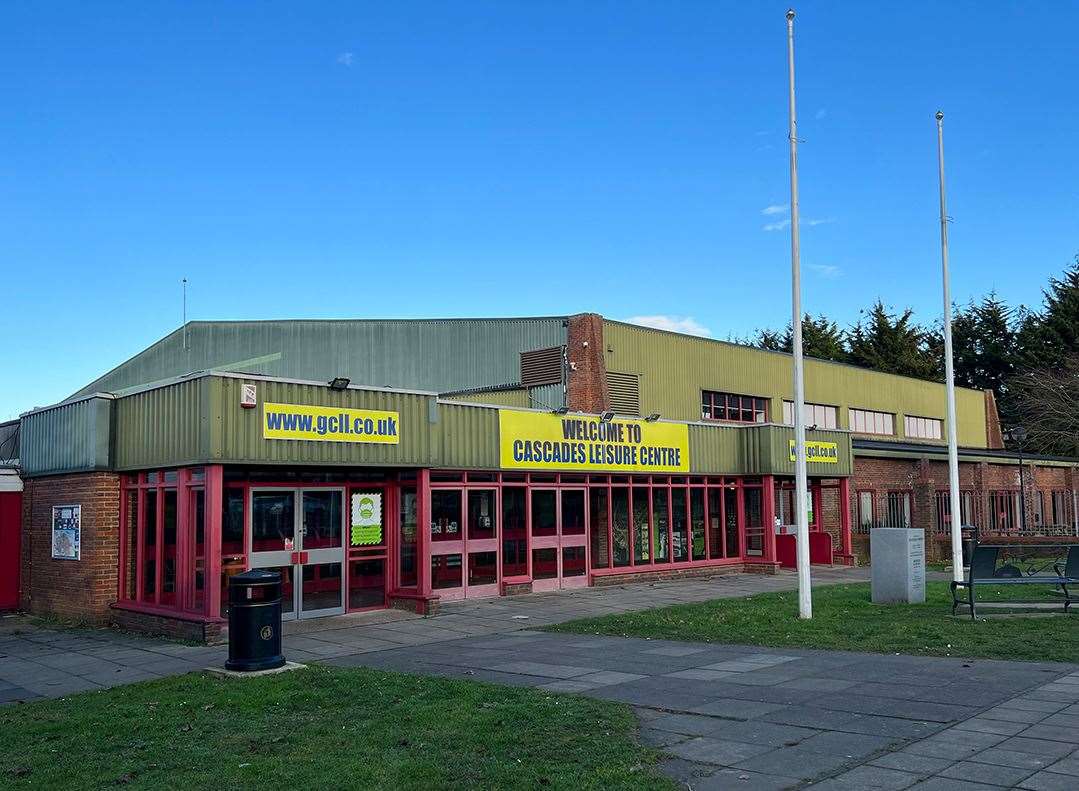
(300, 533)
(559, 535)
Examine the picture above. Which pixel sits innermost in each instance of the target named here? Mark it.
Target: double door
(301, 534)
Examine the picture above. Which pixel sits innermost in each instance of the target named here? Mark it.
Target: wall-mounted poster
(67, 532)
(366, 524)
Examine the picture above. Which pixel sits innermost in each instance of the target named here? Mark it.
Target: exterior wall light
(653, 417)
(339, 382)
(606, 417)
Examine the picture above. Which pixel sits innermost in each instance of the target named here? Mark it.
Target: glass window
(198, 516)
(640, 525)
(573, 512)
(131, 538)
(730, 518)
(898, 510)
(544, 512)
(446, 515)
(715, 523)
(733, 407)
(482, 568)
(322, 587)
(865, 511)
(661, 525)
(819, 415)
(481, 514)
(865, 421)
(232, 522)
(696, 521)
(597, 527)
(446, 571)
(573, 561)
(923, 427)
(620, 524)
(149, 545)
(544, 563)
(680, 524)
(753, 502)
(514, 537)
(407, 551)
(366, 583)
(273, 523)
(323, 526)
(168, 549)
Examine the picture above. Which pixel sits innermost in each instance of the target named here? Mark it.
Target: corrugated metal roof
(426, 354)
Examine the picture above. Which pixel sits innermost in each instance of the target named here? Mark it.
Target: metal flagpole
(949, 372)
(805, 597)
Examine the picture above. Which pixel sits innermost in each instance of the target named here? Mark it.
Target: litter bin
(255, 621)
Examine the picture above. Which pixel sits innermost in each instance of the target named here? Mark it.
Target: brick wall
(82, 589)
(586, 388)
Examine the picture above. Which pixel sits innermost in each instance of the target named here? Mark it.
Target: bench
(983, 571)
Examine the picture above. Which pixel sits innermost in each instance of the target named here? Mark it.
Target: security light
(653, 417)
(560, 410)
(339, 382)
(606, 417)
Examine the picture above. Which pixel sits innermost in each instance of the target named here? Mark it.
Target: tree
(821, 338)
(1050, 337)
(1047, 406)
(892, 343)
(983, 339)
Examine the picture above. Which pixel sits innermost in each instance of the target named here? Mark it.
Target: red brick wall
(586, 388)
(81, 589)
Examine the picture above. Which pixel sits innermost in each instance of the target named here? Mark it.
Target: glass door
(559, 539)
(299, 533)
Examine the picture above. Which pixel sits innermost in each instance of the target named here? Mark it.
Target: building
(405, 463)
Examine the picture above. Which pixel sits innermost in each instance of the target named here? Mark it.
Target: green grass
(845, 619)
(323, 728)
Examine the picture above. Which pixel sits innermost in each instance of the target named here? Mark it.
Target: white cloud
(346, 58)
(819, 115)
(780, 225)
(826, 270)
(685, 324)
(812, 223)
(777, 226)
(775, 208)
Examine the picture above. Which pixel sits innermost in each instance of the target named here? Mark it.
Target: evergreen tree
(892, 343)
(1050, 337)
(983, 339)
(821, 338)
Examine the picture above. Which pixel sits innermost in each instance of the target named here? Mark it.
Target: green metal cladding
(675, 368)
(423, 354)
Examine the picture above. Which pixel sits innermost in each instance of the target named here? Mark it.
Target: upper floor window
(819, 415)
(923, 427)
(866, 421)
(734, 407)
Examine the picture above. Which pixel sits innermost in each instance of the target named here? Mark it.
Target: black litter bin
(255, 621)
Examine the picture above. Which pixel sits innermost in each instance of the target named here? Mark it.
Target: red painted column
(215, 495)
(847, 545)
(769, 496)
(423, 532)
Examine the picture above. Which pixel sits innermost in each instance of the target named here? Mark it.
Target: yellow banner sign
(819, 452)
(329, 424)
(542, 441)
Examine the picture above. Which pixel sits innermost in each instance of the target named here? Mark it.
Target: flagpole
(805, 597)
(949, 372)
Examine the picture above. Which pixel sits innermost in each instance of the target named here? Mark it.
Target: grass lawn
(845, 619)
(323, 728)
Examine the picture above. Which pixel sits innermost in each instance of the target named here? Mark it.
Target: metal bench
(983, 571)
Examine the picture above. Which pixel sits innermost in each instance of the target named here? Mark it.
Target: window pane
(446, 515)
(544, 512)
(323, 526)
(514, 537)
(696, 519)
(409, 525)
(366, 583)
(322, 587)
(544, 563)
(730, 516)
(597, 527)
(131, 539)
(168, 549)
(660, 523)
(681, 525)
(620, 524)
(481, 514)
(482, 568)
(149, 544)
(573, 512)
(446, 571)
(573, 561)
(715, 523)
(865, 511)
(273, 523)
(640, 525)
(232, 522)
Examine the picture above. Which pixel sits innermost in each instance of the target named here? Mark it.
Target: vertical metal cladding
(236, 434)
(72, 437)
(162, 426)
(716, 450)
(467, 436)
(675, 369)
(437, 355)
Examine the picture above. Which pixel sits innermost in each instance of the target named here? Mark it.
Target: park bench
(983, 571)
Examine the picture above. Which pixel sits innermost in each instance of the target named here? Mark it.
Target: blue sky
(513, 158)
